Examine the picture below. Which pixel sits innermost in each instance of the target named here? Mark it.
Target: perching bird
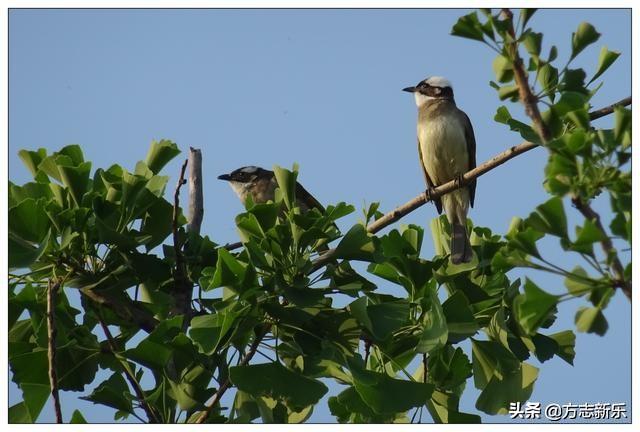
(447, 149)
(261, 185)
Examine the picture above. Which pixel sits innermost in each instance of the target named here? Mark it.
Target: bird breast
(444, 147)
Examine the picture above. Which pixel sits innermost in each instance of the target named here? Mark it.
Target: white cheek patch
(422, 99)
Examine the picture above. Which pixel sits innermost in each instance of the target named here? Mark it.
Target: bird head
(431, 88)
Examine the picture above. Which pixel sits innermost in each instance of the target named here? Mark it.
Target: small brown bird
(261, 185)
(447, 149)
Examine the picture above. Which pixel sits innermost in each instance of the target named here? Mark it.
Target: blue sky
(318, 87)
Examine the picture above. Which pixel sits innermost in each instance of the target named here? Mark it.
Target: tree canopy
(161, 300)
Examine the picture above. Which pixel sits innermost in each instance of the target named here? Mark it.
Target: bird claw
(428, 194)
(459, 181)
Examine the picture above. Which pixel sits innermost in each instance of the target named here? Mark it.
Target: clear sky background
(317, 87)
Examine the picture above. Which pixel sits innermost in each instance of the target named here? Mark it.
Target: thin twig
(607, 246)
(608, 110)
(445, 188)
(52, 332)
(151, 415)
(227, 382)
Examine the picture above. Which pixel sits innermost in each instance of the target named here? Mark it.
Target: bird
(261, 184)
(447, 149)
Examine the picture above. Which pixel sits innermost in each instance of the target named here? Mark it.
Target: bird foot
(459, 181)
(428, 194)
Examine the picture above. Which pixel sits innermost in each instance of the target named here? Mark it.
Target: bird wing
(427, 179)
(307, 199)
(471, 151)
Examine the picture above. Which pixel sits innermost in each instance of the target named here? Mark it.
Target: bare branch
(196, 201)
(253, 348)
(182, 287)
(151, 415)
(609, 109)
(52, 291)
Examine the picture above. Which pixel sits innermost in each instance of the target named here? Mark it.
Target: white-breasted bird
(261, 184)
(447, 149)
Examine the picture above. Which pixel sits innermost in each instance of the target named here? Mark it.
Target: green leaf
(434, 325)
(566, 341)
(591, 320)
(276, 381)
(348, 403)
(526, 241)
(386, 395)
(151, 354)
(74, 152)
(533, 307)
(503, 69)
(29, 221)
(113, 393)
(579, 283)
(380, 319)
(587, 235)
(510, 92)
(606, 59)
(502, 378)
(23, 254)
(209, 331)
(525, 15)
(515, 386)
(549, 218)
(32, 159)
(75, 178)
(622, 122)
(468, 27)
(287, 183)
(573, 80)
(533, 43)
(357, 244)
(448, 368)
(77, 418)
(229, 271)
(35, 396)
(460, 320)
(584, 36)
(160, 153)
(444, 408)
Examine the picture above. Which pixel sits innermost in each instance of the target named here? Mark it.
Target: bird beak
(224, 177)
(409, 89)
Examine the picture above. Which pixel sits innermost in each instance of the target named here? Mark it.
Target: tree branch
(531, 108)
(52, 291)
(253, 348)
(609, 109)
(151, 415)
(196, 201)
(607, 246)
(445, 188)
(182, 287)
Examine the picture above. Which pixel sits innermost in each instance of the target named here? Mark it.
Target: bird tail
(460, 245)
